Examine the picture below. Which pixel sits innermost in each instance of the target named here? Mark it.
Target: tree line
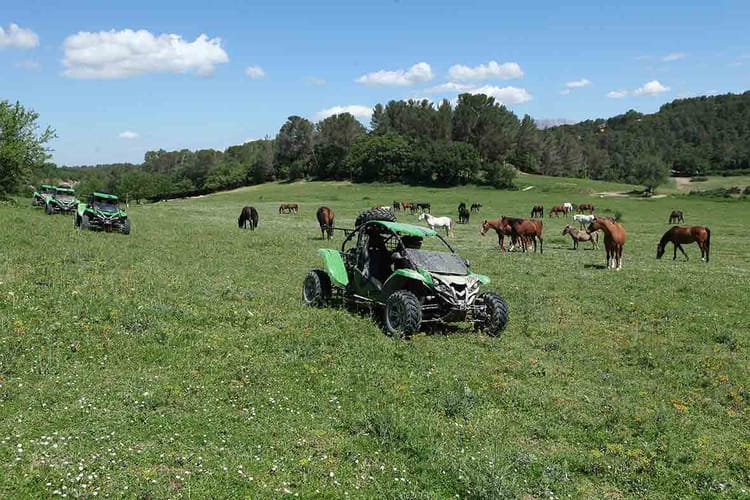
(476, 140)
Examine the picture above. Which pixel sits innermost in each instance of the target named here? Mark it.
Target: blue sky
(113, 92)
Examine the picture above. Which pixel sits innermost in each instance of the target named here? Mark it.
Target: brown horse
(326, 221)
(288, 208)
(248, 217)
(557, 210)
(537, 211)
(585, 207)
(679, 235)
(676, 216)
(501, 234)
(527, 230)
(614, 239)
(412, 207)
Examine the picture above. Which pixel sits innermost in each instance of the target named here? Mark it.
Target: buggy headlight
(472, 282)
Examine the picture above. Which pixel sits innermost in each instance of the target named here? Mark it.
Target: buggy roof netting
(104, 195)
(407, 229)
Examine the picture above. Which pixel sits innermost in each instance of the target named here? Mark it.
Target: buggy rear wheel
(374, 214)
(316, 288)
(48, 209)
(85, 224)
(402, 314)
(495, 313)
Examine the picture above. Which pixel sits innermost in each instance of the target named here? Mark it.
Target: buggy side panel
(482, 278)
(400, 277)
(334, 266)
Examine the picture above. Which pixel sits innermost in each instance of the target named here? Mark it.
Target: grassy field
(179, 362)
(685, 185)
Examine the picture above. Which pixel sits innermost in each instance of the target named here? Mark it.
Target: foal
(578, 235)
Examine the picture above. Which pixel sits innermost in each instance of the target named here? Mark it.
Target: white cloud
(419, 73)
(504, 95)
(15, 36)
(449, 87)
(673, 56)
(28, 64)
(355, 110)
(575, 84)
(314, 80)
(254, 72)
(651, 88)
(617, 94)
(121, 54)
(565, 92)
(128, 134)
(493, 69)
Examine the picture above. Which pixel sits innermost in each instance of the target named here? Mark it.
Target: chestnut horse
(326, 221)
(679, 235)
(537, 211)
(501, 234)
(288, 208)
(526, 230)
(614, 239)
(557, 210)
(585, 207)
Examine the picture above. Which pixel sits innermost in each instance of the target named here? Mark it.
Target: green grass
(711, 182)
(179, 362)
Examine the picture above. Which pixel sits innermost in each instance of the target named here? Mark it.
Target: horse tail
(708, 242)
(453, 227)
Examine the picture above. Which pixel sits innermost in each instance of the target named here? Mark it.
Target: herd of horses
(525, 233)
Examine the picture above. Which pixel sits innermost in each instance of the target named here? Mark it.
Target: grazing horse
(583, 219)
(614, 239)
(537, 211)
(679, 235)
(326, 221)
(585, 207)
(557, 210)
(425, 207)
(288, 208)
(396, 206)
(463, 214)
(461, 205)
(526, 230)
(676, 216)
(407, 204)
(475, 207)
(568, 207)
(578, 235)
(248, 217)
(438, 222)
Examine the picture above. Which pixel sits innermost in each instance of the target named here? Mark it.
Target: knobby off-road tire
(48, 209)
(496, 314)
(316, 288)
(85, 224)
(402, 314)
(125, 229)
(374, 214)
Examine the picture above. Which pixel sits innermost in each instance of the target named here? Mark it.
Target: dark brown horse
(248, 217)
(557, 210)
(475, 207)
(526, 230)
(585, 207)
(679, 235)
(676, 216)
(326, 222)
(614, 239)
(537, 211)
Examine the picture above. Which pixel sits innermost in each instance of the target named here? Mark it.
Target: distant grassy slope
(179, 362)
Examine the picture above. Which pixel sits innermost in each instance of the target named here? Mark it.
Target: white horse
(568, 207)
(438, 222)
(583, 219)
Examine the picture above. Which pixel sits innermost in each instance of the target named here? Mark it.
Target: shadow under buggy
(382, 263)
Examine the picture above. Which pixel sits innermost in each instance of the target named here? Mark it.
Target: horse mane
(666, 238)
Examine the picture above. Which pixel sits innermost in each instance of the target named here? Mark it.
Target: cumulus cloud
(673, 56)
(493, 69)
(254, 72)
(504, 95)
(128, 134)
(617, 94)
(355, 110)
(419, 73)
(122, 54)
(15, 36)
(449, 87)
(575, 84)
(651, 88)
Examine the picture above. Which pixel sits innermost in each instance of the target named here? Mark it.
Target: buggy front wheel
(403, 314)
(316, 288)
(495, 315)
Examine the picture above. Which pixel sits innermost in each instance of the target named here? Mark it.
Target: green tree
(335, 135)
(22, 146)
(294, 147)
(486, 125)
